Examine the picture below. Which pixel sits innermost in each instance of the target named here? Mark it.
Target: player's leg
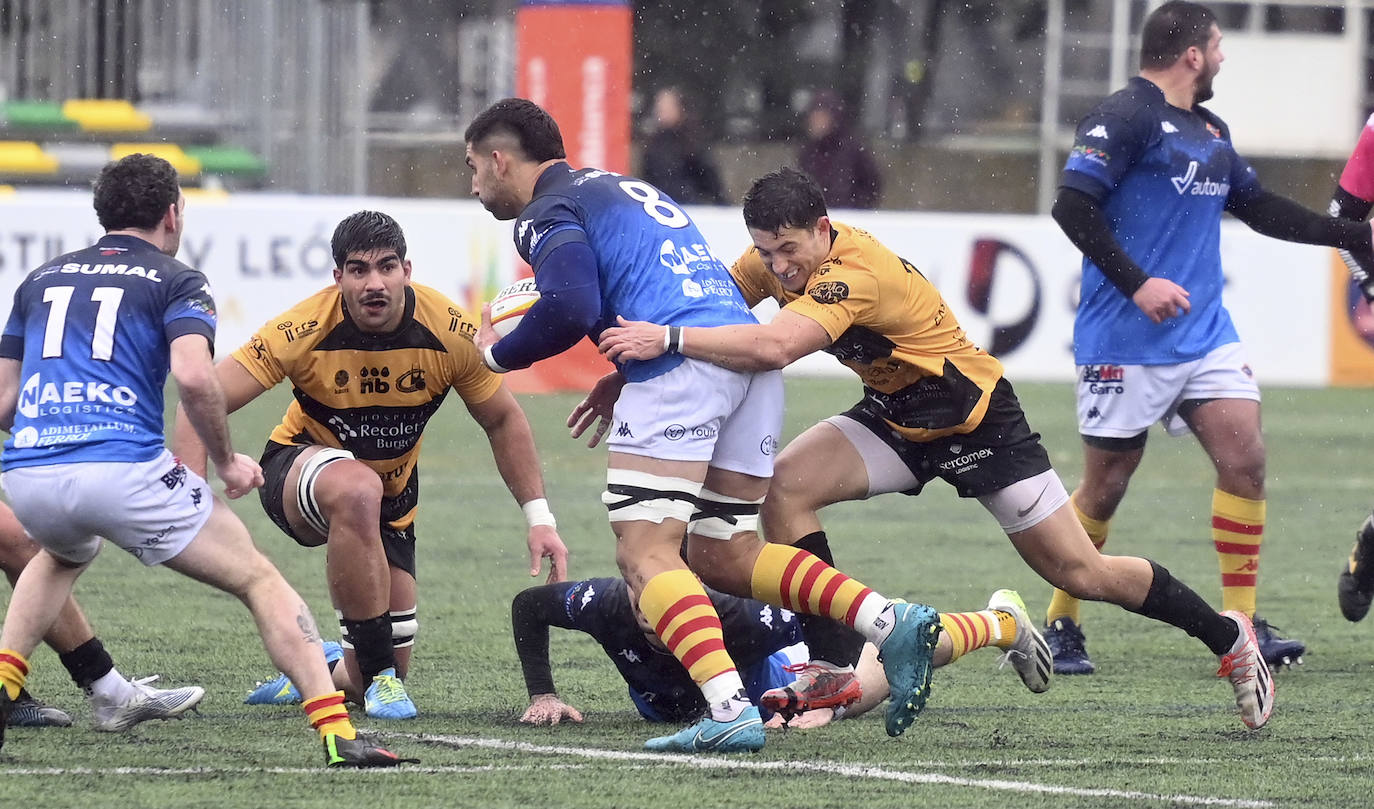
(222, 554)
(1229, 431)
(1059, 550)
(649, 502)
(1355, 585)
(323, 496)
(790, 577)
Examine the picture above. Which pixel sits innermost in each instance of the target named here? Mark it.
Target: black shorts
(1000, 451)
(276, 463)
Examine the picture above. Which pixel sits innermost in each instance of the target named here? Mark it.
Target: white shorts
(702, 412)
(151, 509)
(1122, 401)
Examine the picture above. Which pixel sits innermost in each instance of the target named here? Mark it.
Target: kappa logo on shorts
(196, 497)
(623, 431)
(1094, 413)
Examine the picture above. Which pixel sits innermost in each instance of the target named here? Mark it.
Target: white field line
(848, 770)
(180, 771)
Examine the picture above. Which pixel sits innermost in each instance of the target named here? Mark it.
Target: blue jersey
(1163, 175)
(652, 262)
(92, 330)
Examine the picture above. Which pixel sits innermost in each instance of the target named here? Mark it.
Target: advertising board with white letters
(1012, 280)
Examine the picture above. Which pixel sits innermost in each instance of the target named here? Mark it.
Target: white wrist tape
(537, 513)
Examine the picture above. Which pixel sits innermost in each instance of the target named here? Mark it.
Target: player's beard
(1202, 89)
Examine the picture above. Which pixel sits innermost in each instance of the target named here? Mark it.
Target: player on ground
(934, 405)
(83, 360)
(116, 703)
(692, 447)
(765, 642)
(1352, 200)
(370, 360)
(1142, 194)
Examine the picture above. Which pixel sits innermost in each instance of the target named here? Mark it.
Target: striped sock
(968, 631)
(328, 715)
(1063, 605)
(14, 671)
(796, 580)
(677, 607)
(1237, 531)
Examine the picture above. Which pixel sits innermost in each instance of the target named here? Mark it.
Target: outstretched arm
(1349, 206)
(512, 445)
(531, 613)
(752, 347)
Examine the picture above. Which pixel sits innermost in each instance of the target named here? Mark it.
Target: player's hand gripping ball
(511, 304)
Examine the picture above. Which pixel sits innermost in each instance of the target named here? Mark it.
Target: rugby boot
(1069, 648)
(908, 656)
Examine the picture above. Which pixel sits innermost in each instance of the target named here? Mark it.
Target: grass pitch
(1152, 728)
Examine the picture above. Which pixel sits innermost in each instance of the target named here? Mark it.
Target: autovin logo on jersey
(1206, 187)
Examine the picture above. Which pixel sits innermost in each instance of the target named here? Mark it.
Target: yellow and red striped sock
(14, 671)
(677, 607)
(328, 715)
(968, 631)
(794, 579)
(1063, 605)
(1237, 531)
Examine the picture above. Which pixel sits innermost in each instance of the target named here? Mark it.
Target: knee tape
(721, 517)
(404, 626)
(305, 486)
(633, 495)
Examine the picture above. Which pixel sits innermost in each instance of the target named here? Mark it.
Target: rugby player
(1142, 195)
(692, 445)
(83, 360)
(370, 360)
(934, 405)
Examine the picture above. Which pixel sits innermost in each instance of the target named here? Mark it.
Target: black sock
(1173, 602)
(828, 639)
(371, 639)
(87, 663)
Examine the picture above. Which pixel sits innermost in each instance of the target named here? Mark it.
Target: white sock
(725, 694)
(875, 619)
(112, 688)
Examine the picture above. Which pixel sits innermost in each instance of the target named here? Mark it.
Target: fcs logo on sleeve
(829, 292)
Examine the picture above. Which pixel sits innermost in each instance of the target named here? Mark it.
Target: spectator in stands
(674, 158)
(836, 156)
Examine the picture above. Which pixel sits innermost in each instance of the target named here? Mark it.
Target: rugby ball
(511, 304)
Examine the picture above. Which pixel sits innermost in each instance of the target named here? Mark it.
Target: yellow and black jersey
(893, 328)
(370, 394)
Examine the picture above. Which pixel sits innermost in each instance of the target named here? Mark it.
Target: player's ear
(405, 267)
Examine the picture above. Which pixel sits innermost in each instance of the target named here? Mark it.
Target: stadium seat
(44, 116)
(228, 160)
(185, 165)
(25, 157)
(106, 115)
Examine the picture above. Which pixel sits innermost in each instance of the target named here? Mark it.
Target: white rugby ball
(511, 304)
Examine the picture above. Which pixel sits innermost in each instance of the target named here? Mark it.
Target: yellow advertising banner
(1352, 331)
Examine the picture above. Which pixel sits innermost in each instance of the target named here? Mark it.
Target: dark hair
(1172, 29)
(785, 198)
(532, 127)
(366, 230)
(133, 193)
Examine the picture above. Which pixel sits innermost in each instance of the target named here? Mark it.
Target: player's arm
(1347, 205)
(203, 400)
(1080, 216)
(1279, 217)
(568, 307)
(9, 391)
(746, 347)
(512, 445)
(532, 612)
(238, 388)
